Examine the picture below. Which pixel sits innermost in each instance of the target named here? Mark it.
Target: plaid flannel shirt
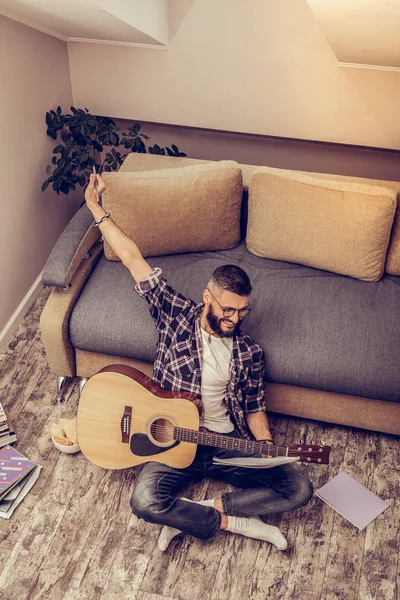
(177, 365)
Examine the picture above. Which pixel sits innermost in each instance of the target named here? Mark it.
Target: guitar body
(112, 441)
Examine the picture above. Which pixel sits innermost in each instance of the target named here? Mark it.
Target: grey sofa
(331, 342)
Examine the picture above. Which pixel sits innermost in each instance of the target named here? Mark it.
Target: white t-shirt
(216, 357)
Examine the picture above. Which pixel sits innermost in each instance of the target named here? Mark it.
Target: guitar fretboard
(229, 442)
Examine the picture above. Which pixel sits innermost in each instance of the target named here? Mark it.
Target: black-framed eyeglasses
(228, 311)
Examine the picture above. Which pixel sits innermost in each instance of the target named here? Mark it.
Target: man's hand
(259, 427)
(267, 455)
(90, 193)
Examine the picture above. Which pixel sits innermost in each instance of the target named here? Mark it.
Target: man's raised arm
(122, 245)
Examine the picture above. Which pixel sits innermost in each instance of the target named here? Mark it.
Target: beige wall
(282, 153)
(34, 76)
(258, 67)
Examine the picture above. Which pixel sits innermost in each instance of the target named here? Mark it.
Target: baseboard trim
(17, 317)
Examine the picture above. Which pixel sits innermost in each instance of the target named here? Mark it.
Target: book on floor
(14, 466)
(10, 438)
(352, 500)
(7, 434)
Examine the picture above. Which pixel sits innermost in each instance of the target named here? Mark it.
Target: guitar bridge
(126, 424)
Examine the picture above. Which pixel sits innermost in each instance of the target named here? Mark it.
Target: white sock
(254, 528)
(168, 533)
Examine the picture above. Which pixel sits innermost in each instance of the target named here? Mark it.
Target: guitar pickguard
(142, 446)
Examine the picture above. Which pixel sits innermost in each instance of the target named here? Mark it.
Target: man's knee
(303, 493)
(144, 504)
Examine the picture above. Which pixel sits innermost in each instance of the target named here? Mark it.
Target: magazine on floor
(17, 476)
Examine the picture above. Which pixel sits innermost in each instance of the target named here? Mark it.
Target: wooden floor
(74, 536)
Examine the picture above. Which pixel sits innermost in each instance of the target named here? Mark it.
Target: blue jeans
(264, 492)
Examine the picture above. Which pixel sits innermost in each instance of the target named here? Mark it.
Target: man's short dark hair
(231, 278)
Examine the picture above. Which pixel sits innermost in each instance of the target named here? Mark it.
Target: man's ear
(206, 296)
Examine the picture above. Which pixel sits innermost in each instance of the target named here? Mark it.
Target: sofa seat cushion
(340, 227)
(177, 210)
(318, 329)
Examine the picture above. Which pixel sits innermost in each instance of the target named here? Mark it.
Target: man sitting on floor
(202, 350)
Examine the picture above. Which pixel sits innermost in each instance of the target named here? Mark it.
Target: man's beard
(215, 324)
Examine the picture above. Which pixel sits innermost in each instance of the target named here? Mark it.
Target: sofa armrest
(54, 320)
(71, 248)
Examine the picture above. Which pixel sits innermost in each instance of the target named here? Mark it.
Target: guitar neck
(228, 442)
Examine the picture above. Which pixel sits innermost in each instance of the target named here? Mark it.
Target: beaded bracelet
(97, 223)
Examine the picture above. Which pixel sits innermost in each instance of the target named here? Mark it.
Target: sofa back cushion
(144, 162)
(392, 265)
(179, 210)
(336, 226)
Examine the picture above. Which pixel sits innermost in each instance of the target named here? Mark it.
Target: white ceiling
(123, 21)
(360, 32)
(365, 32)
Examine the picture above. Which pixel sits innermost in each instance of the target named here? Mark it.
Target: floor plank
(13, 357)
(30, 550)
(75, 528)
(336, 589)
(244, 559)
(145, 596)
(34, 442)
(165, 568)
(203, 558)
(346, 546)
(310, 547)
(382, 539)
(94, 563)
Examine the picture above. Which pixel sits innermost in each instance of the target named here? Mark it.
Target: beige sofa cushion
(392, 265)
(335, 226)
(143, 162)
(177, 210)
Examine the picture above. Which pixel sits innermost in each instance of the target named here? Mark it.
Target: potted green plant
(84, 137)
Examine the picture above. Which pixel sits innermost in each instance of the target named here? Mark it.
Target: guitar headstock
(310, 453)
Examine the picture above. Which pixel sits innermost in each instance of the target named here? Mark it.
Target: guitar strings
(162, 429)
(170, 429)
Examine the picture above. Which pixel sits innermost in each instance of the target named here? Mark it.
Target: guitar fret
(228, 442)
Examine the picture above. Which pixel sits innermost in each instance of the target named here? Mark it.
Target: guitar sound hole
(162, 431)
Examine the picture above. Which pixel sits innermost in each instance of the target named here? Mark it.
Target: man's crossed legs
(264, 492)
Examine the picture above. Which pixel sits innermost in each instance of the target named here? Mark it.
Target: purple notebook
(13, 467)
(352, 500)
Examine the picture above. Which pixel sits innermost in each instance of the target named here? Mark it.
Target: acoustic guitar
(126, 419)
